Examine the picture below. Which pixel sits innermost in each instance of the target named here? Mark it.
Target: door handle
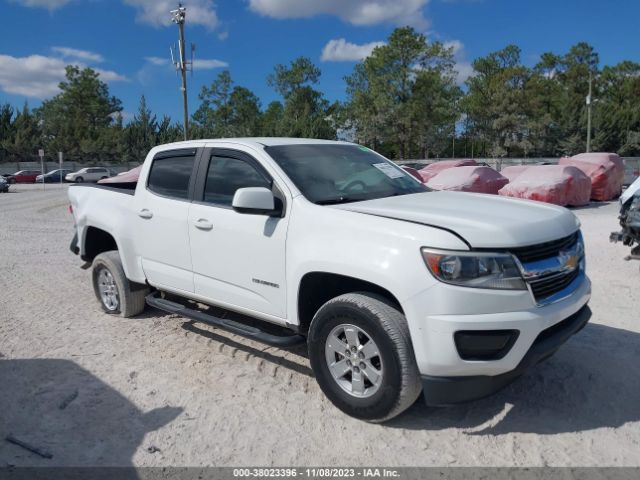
(146, 214)
(204, 224)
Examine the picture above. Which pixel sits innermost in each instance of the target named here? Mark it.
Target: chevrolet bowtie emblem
(568, 260)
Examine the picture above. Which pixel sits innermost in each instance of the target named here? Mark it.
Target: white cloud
(465, 71)
(34, 76)
(357, 12)
(342, 51)
(110, 76)
(157, 61)
(156, 12)
(49, 4)
(198, 64)
(153, 12)
(66, 52)
(455, 45)
(463, 67)
(203, 64)
(38, 76)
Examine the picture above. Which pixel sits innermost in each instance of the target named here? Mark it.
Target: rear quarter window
(170, 174)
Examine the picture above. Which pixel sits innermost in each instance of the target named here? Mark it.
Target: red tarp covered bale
(469, 179)
(606, 171)
(127, 177)
(413, 172)
(513, 172)
(563, 185)
(434, 169)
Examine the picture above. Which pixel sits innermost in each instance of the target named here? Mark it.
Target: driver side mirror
(256, 201)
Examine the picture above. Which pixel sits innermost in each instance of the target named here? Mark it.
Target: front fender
(382, 251)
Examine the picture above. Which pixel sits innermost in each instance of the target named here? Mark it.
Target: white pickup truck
(396, 289)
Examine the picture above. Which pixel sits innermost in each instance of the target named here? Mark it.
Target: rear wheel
(360, 351)
(116, 294)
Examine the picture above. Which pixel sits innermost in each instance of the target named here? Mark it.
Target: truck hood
(484, 221)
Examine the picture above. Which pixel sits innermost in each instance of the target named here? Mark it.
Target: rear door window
(171, 173)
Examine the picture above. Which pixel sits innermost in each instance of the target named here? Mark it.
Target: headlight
(472, 269)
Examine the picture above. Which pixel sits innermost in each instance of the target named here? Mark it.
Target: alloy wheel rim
(108, 290)
(354, 360)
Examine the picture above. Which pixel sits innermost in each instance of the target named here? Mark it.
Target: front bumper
(440, 391)
(437, 313)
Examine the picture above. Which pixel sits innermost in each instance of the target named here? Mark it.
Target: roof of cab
(260, 141)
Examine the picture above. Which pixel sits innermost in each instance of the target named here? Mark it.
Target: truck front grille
(545, 287)
(545, 250)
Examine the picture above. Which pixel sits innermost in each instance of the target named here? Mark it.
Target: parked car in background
(4, 186)
(54, 176)
(23, 176)
(89, 174)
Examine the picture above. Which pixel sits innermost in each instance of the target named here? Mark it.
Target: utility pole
(453, 150)
(178, 17)
(589, 102)
(42, 168)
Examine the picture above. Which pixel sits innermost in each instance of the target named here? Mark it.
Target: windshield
(332, 173)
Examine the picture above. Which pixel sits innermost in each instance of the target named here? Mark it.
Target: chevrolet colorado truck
(395, 289)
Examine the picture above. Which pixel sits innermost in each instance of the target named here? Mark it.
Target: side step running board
(226, 324)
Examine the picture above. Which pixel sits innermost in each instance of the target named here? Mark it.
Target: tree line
(403, 100)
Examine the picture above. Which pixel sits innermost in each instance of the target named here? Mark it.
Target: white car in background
(89, 174)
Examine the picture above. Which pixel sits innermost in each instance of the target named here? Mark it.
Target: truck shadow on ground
(591, 382)
(292, 358)
(64, 410)
(299, 351)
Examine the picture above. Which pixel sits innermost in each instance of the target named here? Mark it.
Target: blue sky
(128, 40)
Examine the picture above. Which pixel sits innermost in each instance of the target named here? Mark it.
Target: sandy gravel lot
(160, 390)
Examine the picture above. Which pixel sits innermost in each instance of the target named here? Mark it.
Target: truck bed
(126, 188)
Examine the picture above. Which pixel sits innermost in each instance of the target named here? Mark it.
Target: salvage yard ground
(91, 389)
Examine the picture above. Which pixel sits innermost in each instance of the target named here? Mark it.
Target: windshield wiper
(339, 200)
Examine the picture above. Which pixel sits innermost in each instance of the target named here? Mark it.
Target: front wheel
(116, 294)
(79, 180)
(360, 351)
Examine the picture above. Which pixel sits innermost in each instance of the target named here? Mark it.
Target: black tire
(387, 327)
(131, 296)
(79, 180)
